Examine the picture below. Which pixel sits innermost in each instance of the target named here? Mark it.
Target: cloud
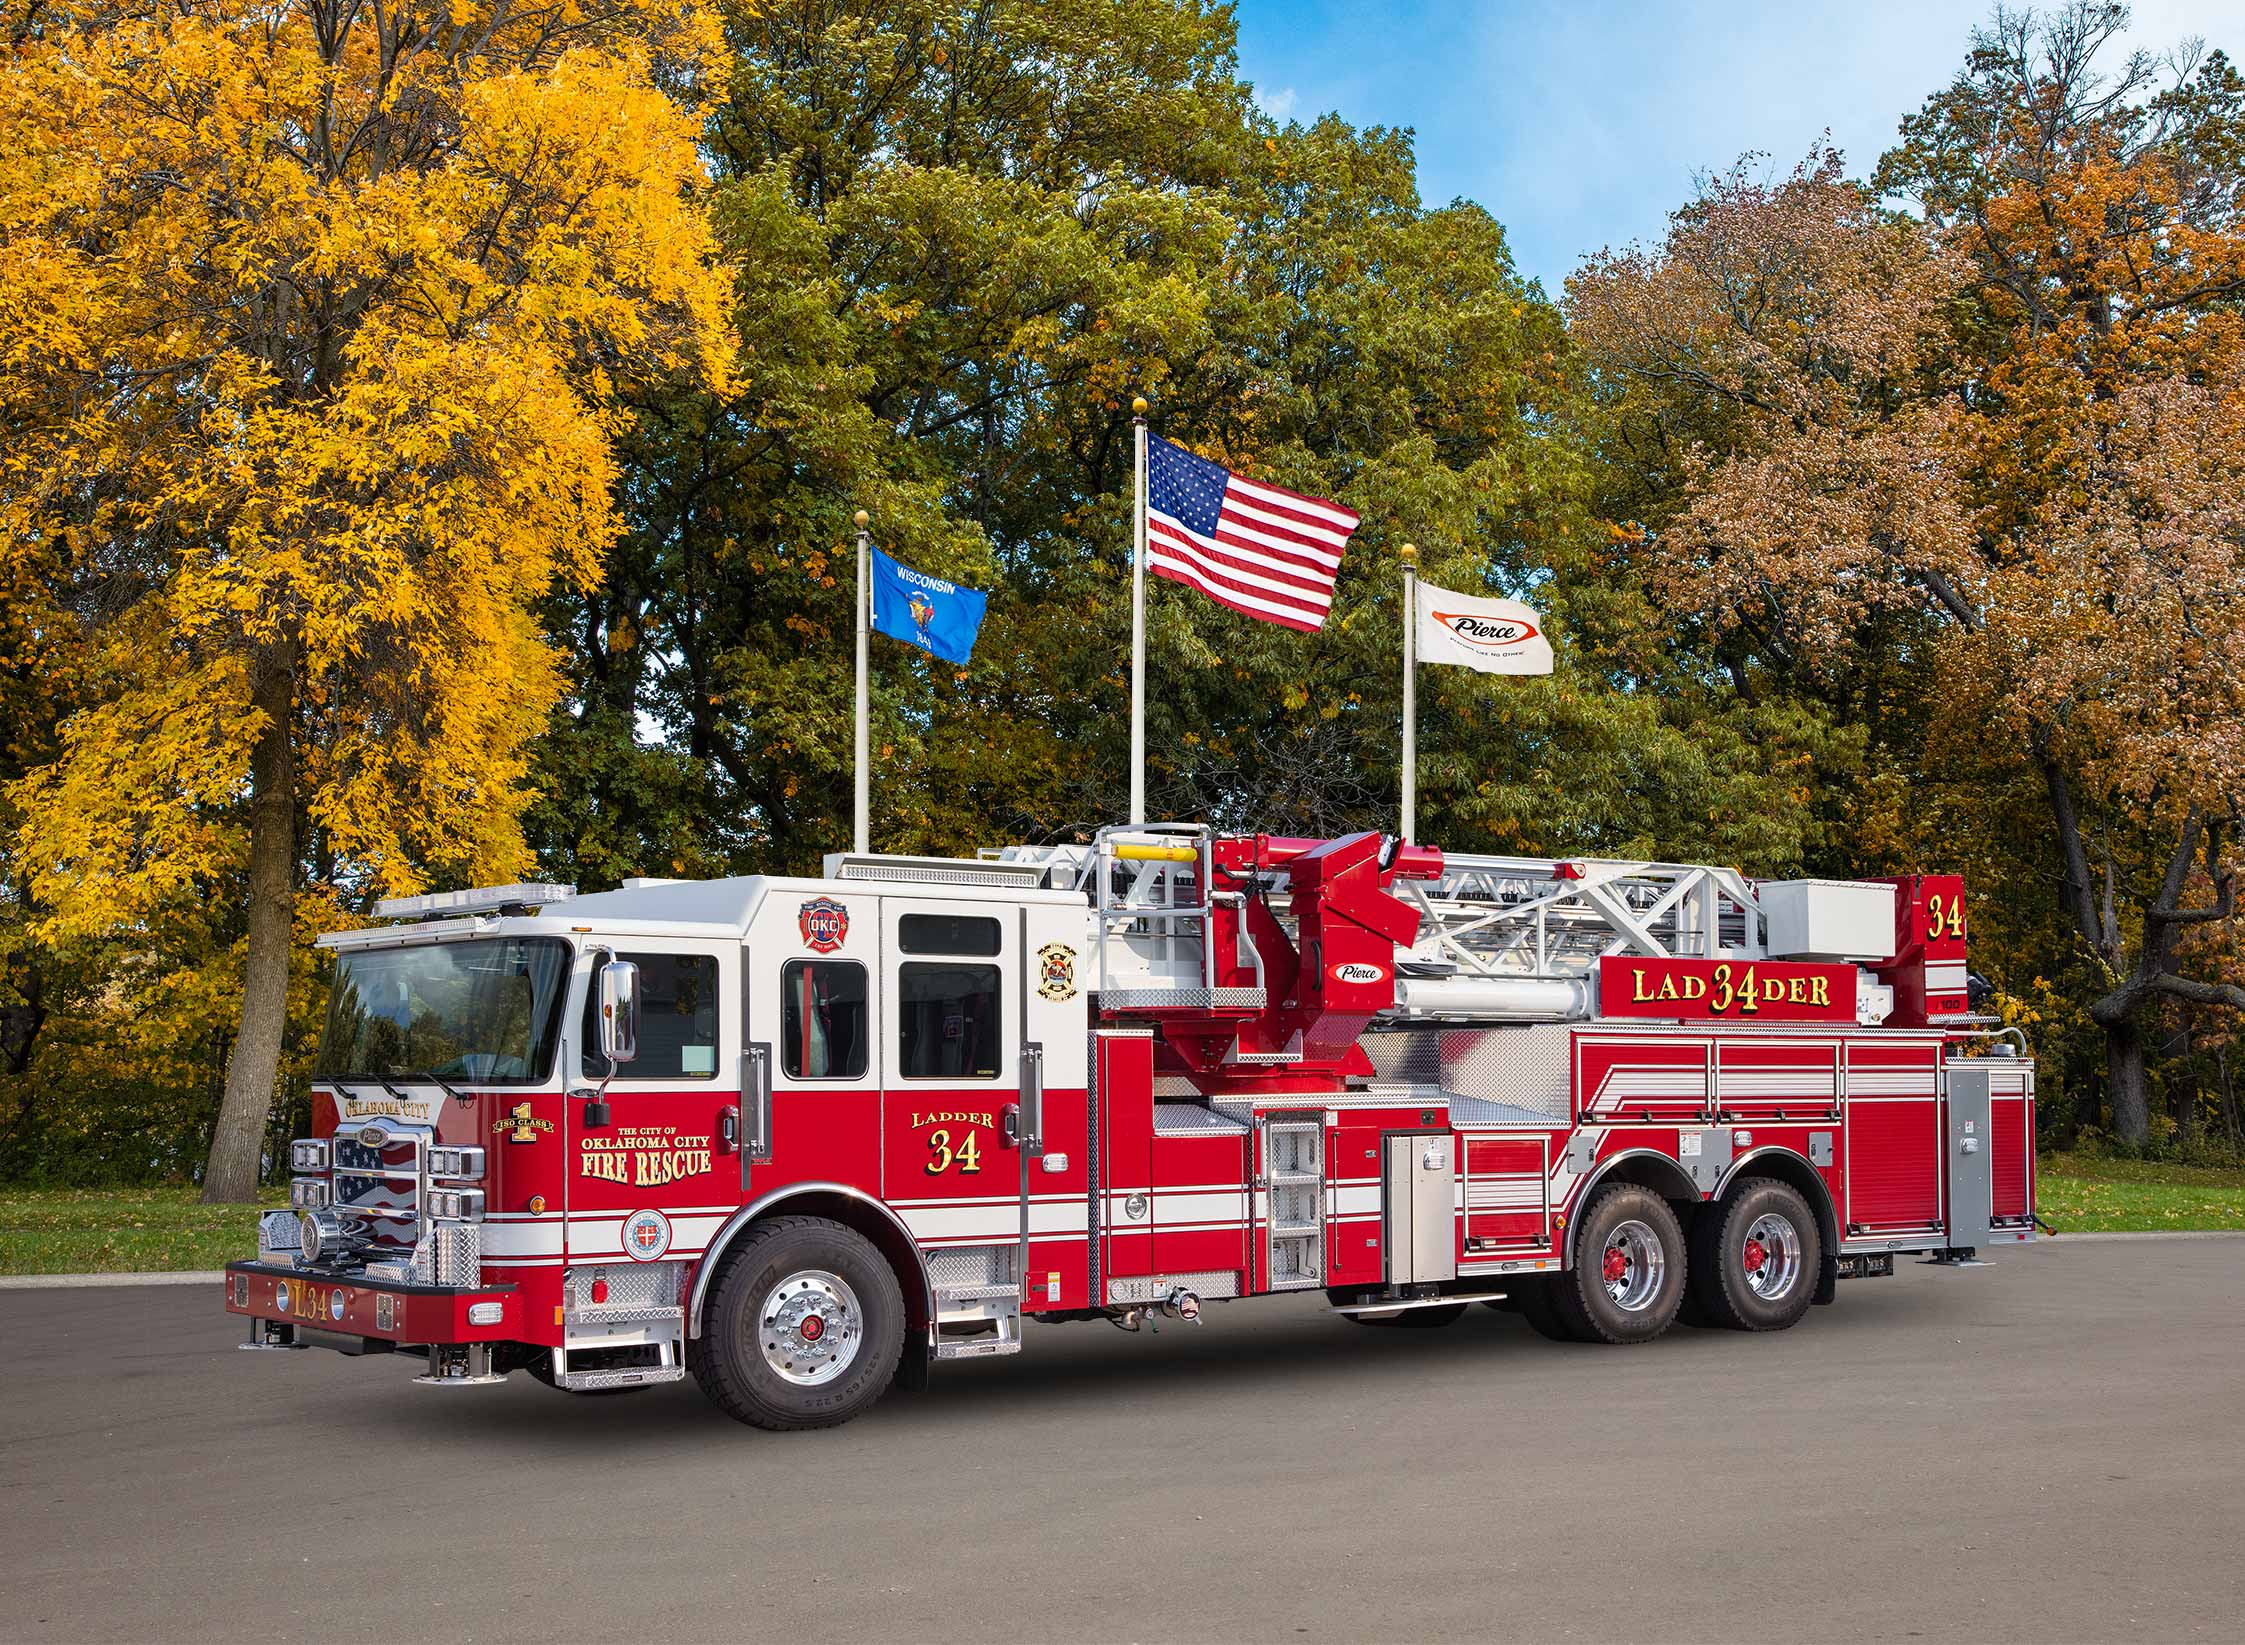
(1279, 104)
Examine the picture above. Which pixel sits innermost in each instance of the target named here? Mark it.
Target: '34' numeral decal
(941, 1156)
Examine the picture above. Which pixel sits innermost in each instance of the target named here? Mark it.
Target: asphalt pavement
(2048, 1448)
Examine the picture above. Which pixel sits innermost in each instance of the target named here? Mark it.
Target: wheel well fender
(1643, 1167)
(853, 1208)
(1786, 1166)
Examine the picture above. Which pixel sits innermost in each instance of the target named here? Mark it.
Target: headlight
(456, 1204)
(463, 1163)
(308, 1193)
(307, 1156)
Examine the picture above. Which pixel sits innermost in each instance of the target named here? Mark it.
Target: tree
(1990, 455)
(317, 315)
(967, 234)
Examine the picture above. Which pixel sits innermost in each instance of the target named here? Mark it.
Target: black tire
(1427, 1319)
(1535, 1300)
(827, 1270)
(1743, 1278)
(1634, 1230)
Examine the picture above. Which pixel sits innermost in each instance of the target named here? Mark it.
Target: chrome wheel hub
(1633, 1266)
(1772, 1257)
(810, 1326)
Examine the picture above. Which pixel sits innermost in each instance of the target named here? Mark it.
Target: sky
(1580, 126)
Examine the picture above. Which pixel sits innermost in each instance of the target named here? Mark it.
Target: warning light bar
(483, 899)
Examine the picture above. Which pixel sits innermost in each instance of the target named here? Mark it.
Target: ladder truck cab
(801, 1137)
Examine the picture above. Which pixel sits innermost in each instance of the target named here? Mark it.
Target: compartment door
(2011, 1135)
(1777, 1080)
(1507, 1193)
(1970, 1153)
(1894, 1137)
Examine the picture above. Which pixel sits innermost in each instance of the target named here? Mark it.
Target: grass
(148, 1230)
(122, 1230)
(2083, 1193)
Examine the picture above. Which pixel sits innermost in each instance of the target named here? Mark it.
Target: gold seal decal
(1056, 971)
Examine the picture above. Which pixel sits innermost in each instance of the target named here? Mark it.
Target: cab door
(951, 1016)
(651, 1182)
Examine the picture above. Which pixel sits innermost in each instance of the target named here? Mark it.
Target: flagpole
(1410, 557)
(862, 833)
(1138, 618)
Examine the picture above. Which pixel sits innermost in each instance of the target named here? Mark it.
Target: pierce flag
(1494, 636)
(939, 617)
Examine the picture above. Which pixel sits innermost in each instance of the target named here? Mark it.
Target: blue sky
(1581, 126)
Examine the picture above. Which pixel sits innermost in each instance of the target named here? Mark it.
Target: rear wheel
(1535, 1301)
(1627, 1278)
(805, 1326)
(1755, 1257)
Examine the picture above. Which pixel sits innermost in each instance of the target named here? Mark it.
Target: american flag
(1257, 548)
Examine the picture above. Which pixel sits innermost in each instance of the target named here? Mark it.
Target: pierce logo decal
(1358, 972)
(1487, 633)
(825, 924)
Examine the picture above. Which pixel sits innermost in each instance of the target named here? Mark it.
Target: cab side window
(822, 1020)
(677, 1020)
(947, 1021)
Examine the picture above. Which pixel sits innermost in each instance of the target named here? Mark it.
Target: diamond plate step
(629, 1376)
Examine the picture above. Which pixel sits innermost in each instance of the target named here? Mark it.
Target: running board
(1358, 1309)
(628, 1376)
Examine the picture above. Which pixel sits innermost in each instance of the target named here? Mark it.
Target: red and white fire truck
(803, 1136)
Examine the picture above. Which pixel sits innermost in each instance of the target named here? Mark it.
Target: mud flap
(1827, 1278)
(914, 1369)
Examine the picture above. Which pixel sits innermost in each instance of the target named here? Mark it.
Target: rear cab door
(951, 1029)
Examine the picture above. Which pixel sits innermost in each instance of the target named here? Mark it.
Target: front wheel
(1756, 1256)
(1627, 1278)
(805, 1326)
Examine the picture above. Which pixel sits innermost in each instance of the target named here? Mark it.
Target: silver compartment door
(1422, 1234)
(1971, 1155)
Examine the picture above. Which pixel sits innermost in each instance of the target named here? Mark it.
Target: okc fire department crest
(824, 924)
(1056, 971)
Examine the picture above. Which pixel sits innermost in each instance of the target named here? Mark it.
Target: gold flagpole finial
(862, 519)
(1138, 405)
(1408, 553)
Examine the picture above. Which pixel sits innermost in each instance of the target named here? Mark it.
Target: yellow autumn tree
(315, 318)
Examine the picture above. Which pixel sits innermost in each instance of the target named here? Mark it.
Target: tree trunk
(236, 1145)
(2229, 1095)
(2124, 1082)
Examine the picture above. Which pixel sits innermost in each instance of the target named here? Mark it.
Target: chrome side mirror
(619, 1011)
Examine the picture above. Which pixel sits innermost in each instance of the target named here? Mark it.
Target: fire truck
(803, 1138)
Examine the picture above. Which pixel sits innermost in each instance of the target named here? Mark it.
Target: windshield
(485, 1010)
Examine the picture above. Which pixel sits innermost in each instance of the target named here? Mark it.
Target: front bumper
(351, 1305)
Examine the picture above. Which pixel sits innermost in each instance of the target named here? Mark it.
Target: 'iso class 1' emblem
(646, 1236)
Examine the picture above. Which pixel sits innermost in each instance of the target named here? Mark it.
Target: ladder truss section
(1522, 917)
